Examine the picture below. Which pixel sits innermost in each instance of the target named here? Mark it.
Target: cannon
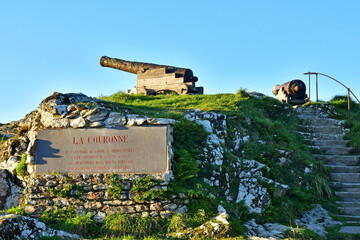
(291, 92)
(153, 78)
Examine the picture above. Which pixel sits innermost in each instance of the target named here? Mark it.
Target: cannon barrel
(293, 88)
(292, 92)
(141, 67)
(154, 78)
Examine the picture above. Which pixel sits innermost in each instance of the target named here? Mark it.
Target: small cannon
(154, 78)
(291, 92)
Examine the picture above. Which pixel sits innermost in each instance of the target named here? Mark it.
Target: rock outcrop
(10, 190)
(19, 227)
(242, 181)
(216, 228)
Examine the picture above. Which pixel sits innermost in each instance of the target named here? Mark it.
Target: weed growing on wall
(142, 188)
(115, 186)
(69, 190)
(2, 140)
(21, 169)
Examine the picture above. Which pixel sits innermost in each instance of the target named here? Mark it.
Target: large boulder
(10, 190)
(19, 227)
(4, 187)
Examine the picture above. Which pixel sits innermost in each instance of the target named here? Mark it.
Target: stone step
(350, 229)
(310, 113)
(351, 210)
(324, 129)
(348, 196)
(351, 218)
(344, 169)
(355, 204)
(349, 160)
(321, 142)
(345, 187)
(332, 150)
(321, 136)
(351, 222)
(345, 177)
(320, 121)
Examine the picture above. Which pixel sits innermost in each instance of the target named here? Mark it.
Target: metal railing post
(309, 87)
(349, 106)
(348, 89)
(317, 98)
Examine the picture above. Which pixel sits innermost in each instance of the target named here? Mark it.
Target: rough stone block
(141, 208)
(156, 207)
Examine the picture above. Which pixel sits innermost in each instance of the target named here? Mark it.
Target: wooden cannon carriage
(154, 78)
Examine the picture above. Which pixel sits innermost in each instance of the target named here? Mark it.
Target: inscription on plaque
(102, 150)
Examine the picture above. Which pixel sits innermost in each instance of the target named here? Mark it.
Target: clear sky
(48, 46)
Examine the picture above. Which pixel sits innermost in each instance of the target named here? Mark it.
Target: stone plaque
(102, 150)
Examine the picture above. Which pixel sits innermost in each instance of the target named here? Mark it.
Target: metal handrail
(349, 91)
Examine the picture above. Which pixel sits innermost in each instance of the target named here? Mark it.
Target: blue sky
(49, 46)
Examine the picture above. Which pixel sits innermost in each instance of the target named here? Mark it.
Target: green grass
(122, 226)
(218, 102)
(68, 220)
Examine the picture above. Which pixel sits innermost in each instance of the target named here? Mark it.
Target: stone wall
(101, 194)
(98, 193)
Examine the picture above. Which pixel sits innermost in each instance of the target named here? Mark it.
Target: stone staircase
(326, 136)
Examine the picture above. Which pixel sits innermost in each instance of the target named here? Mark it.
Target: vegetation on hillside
(271, 121)
(273, 126)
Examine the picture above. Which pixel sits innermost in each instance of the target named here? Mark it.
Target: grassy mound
(271, 127)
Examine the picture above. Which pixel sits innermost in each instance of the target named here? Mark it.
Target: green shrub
(21, 169)
(143, 192)
(299, 233)
(189, 142)
(142, 184)
(321, 188)
(177, 223)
